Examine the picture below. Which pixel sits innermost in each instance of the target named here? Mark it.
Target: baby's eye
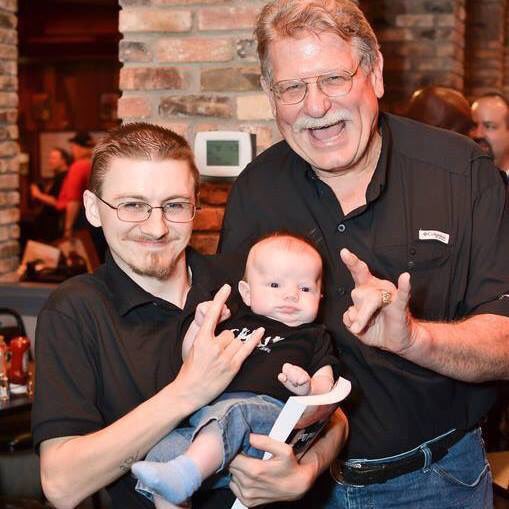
(274, 285)
(305, 289)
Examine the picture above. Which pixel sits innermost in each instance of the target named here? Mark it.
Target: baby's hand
(201, 311)
(295, 379)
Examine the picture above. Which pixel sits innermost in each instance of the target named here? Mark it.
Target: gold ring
(386, 297)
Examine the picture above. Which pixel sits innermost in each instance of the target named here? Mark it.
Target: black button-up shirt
(104, 345)
(436, 208)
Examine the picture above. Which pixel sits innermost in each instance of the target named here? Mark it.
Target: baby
(281, 291)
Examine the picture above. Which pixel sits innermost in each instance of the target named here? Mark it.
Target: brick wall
(486, 38)
(191, 65)
(422, 42)
(9, 149)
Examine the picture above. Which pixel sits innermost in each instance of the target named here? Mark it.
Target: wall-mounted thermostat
(221, 154)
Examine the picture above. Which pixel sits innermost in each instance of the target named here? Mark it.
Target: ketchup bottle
(18, 370)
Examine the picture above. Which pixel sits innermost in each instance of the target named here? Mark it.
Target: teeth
(341, 122)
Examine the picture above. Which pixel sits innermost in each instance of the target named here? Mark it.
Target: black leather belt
(373, 473)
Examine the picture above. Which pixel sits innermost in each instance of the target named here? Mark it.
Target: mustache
(151, 238)
(331, 118)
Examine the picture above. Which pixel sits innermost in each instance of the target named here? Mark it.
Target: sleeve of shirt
(66, 384)
(324, 354)
(488, 282)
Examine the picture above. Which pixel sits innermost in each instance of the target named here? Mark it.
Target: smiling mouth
(325, 133)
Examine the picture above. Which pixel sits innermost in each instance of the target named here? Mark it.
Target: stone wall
(9, 148)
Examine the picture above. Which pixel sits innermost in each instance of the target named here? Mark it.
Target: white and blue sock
(175, 480)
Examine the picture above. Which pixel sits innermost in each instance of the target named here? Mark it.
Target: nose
(292, 294)
(316, 103)
(155, 226)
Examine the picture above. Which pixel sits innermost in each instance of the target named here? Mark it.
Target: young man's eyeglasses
(332, 84)
(138, 211)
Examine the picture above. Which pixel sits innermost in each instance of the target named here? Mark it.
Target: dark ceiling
(62, 29)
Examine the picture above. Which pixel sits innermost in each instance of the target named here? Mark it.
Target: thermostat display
(223, 153)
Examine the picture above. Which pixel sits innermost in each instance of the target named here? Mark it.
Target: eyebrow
(146, 200)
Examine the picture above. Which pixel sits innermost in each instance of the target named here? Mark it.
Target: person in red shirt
(76, 181)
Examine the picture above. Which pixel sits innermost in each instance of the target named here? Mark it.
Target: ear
(245, 292)
(272, 100)
(91, 208)
(377, 76)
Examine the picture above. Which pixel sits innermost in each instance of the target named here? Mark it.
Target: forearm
(73, 468)
(47, 199)
(472, 350)
(327, 447)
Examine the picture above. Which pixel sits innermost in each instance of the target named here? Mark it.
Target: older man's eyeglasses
(332, 84)
(138, 211)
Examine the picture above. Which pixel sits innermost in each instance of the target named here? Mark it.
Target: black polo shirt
(104, 345)
(435, 208)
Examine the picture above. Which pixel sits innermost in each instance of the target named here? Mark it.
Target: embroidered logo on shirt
(434, 235)
(504, 296)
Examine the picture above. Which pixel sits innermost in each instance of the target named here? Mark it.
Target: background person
(442, 107)
(71, 194)
(48, 224)
(490, 113)
(404, 197)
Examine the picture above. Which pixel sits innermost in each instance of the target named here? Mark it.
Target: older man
(490, 113)
(418, 205)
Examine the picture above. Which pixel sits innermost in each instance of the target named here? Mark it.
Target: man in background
(490, 114)
(71, 195)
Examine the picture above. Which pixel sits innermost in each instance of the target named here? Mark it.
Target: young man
(404, 197)
(110, 378)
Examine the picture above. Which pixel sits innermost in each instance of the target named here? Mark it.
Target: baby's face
(285, 285)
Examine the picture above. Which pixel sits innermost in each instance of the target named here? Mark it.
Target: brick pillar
(9, 148)
(422, 42)
(192, 66)
(486, 36)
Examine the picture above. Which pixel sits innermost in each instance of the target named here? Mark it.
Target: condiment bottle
(18, 371)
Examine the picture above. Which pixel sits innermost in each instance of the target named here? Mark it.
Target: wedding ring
(386, 297)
